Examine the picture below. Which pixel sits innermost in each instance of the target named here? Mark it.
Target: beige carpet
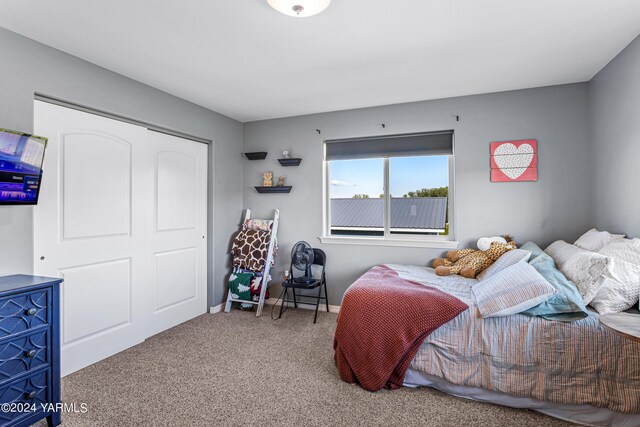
(236, 369)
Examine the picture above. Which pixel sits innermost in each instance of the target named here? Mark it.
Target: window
(355, 189)
(390, 188)
(419, 193)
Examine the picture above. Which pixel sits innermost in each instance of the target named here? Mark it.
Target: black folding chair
(319, 258)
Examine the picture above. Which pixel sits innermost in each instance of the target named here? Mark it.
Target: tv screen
(21, 157)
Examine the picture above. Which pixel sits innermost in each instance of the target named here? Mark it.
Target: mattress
(581, 414)
(568, 363)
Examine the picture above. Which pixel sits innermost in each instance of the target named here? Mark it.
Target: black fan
(302, 259)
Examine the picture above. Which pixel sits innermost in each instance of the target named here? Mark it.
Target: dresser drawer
(21, 312)
(23, 396)
(23, 354)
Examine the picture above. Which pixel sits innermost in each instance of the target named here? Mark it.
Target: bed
(579, 371)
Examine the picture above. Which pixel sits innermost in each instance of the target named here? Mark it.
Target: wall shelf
(256, 155)
(290, 162)
(275, 189)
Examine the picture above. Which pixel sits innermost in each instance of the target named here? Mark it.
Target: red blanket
(383, 321)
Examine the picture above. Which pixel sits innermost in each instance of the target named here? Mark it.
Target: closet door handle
(31, 395)
(31, 353)
(32, 311)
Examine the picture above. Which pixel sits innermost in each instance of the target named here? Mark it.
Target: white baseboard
(273, 301)
(332, 308)
(217, 309)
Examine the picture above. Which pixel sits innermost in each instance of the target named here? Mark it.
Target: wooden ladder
(265, 271)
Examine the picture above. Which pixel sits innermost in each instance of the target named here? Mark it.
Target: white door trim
(110, 115)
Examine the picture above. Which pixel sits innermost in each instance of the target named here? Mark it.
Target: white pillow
(622, 288)
(587, 270)
(513, 290)
(561, 252)
(507, 259)
(594, 240)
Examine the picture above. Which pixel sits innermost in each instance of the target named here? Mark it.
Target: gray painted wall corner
(614, 132)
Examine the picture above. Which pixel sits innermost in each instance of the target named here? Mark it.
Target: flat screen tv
(21, 157)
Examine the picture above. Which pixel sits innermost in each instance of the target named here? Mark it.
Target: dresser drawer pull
(30, 353)
(31, 395)
(32, 311)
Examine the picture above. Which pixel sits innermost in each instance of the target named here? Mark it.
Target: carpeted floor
(236, 369)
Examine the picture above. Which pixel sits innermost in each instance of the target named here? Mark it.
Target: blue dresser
(29, 350)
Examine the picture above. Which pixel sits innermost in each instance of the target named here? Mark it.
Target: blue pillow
(567, 304)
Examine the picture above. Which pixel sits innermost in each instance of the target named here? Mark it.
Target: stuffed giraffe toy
(470, 262)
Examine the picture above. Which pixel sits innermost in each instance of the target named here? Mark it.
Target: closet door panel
(179, 234)
(89, 229)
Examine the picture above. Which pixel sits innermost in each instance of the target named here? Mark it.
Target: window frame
(388, 239)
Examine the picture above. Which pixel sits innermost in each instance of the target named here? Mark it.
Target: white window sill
(379, 241)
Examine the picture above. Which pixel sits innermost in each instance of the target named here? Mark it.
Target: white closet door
(94, 204)
(122, 218)
(178, 233)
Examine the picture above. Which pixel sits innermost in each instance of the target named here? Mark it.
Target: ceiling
(245, 60)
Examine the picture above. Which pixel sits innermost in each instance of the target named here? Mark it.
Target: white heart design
(513, 161)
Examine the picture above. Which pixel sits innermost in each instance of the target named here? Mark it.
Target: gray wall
(27, 67)
(557, 206)
(614, 125)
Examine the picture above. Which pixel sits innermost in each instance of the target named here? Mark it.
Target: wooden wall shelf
(275, 189)
(256, 155)
(290, 162)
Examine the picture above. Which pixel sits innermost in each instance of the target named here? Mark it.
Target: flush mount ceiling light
(299, 8)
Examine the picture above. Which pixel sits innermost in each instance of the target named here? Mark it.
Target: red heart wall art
(513, 161)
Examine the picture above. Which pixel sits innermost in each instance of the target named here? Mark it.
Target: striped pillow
(507, 259)
(513, 290)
